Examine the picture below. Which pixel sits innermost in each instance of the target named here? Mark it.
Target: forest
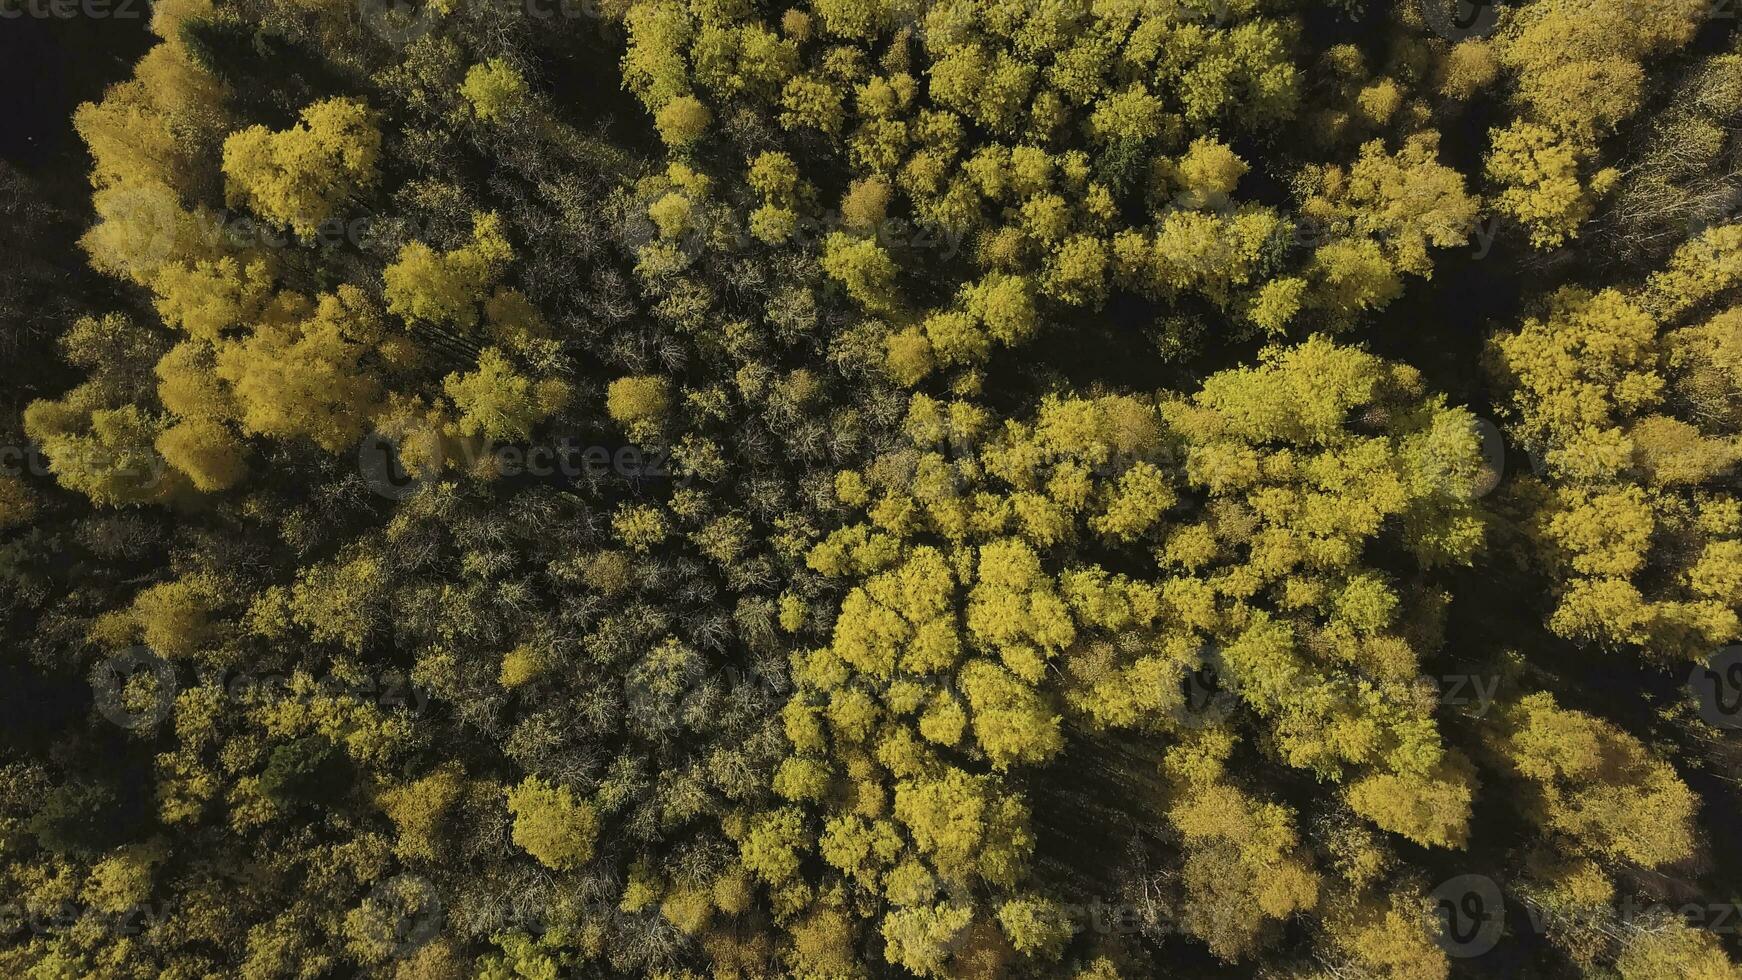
(960, 489)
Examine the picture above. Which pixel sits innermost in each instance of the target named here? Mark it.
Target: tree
(551, 825)
(495, 91)
(1597, 790)
(305, 376)
(639, 403)
(419, 808)
(300, 176)
(498, 403)
(445, 288)
(683, 120)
